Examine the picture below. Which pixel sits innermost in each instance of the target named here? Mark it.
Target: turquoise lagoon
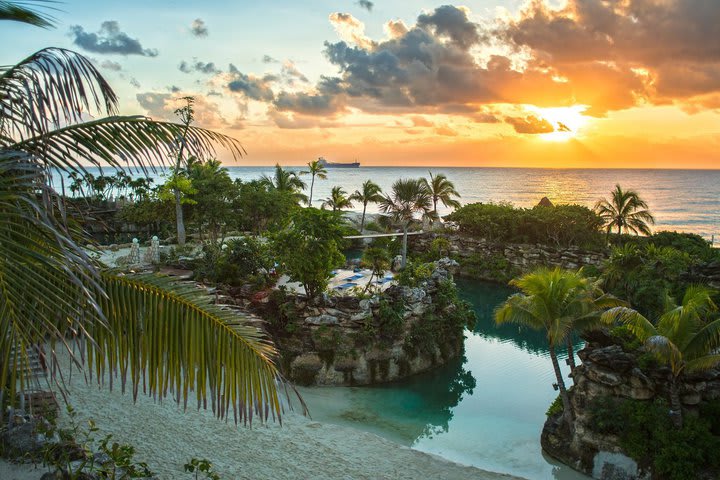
(486, 409)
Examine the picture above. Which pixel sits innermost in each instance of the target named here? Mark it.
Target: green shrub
(560, 226)
(555, 408)
(414, 274)
(647, 435)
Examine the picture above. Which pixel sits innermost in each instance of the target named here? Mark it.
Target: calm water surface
(683, 200)
(486, 409)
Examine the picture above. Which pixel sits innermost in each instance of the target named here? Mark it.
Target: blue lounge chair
(355, 277)
(345, 286)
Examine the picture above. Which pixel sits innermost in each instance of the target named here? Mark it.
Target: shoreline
(166, 438)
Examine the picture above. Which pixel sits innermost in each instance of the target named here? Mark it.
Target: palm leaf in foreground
(170, 340)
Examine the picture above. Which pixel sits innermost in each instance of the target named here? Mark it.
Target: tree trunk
(179, 219)
(675, 405)
(312, 185)
(362, 220)
(404, 247)
(571, 354)
(367, 287)
(567, 408)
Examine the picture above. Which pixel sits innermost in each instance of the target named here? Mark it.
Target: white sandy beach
(166, 438)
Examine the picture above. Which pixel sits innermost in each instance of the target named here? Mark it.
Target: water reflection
(485, 409)
(485, 297)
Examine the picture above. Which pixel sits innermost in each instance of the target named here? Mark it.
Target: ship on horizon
(327, 164)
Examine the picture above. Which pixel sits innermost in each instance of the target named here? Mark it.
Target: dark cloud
(208, 68)
(668, 39)
(109, 40)
(269, 59)
(452, 22)
(530, 124)
(134, 82)
(198, 28)
(252, 87)
(110, 65)
(366, 4)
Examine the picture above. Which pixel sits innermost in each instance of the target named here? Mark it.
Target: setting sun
(567, 122)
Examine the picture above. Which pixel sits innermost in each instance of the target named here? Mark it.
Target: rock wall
(482, 259)
(359, 341)
(609, 372)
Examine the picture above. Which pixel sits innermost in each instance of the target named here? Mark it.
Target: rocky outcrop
(359, 341)
(609, 372)
(491, 261)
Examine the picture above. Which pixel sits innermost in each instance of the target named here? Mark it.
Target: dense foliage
(647, 435)
(309, 248)
(560, 226)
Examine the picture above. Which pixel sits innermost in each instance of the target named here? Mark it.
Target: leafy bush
(560, 226)
(414, 274)
(555, 408)
(646, 434)
(491, 267)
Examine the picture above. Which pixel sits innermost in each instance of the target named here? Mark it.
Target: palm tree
(556, 301)
(286, 181)
(379, 260)
(408, 198)
(441, 190)
(682, 339)
(337, 200)
(318, 170)
(626, 211)
(370, 193)
(142, 329)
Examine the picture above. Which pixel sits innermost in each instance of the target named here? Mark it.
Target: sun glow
(567, 121)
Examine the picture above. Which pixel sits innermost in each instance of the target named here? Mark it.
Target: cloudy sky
(548, 83)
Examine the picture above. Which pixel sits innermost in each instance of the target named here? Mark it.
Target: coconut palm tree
(408, 198)
(286, 181)
(143, 329)
(626, 211)
(682, 338)
(555, 301)
(318, 170)
(370, 193)
(337, 200)
(441, 190)
(379, 260)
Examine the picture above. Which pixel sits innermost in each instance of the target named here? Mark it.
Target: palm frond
(171, 341)
(49, 89)
(21, 11)
(640, 326)
(118, 141)
(703, 363)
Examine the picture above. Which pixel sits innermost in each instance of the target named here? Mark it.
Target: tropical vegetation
(685, 338)
(369, 193)
(54, 293)
(626, 212)
(441, 190)
(338, 200)
(407, 199)
(315, 169)
(557, 302)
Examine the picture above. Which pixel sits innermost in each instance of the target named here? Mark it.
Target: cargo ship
(327, 164)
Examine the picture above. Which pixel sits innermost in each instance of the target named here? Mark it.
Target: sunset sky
(544, 83)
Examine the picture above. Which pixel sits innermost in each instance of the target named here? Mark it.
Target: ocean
(681, 200)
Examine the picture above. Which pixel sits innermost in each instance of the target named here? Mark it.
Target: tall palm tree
(142, 329)
(316, 169)
(370, 193)
(441, 190)
(555, 301)
(682, 338)
(408, 198)
(286, 181)
(337, 200)
(626, 211)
